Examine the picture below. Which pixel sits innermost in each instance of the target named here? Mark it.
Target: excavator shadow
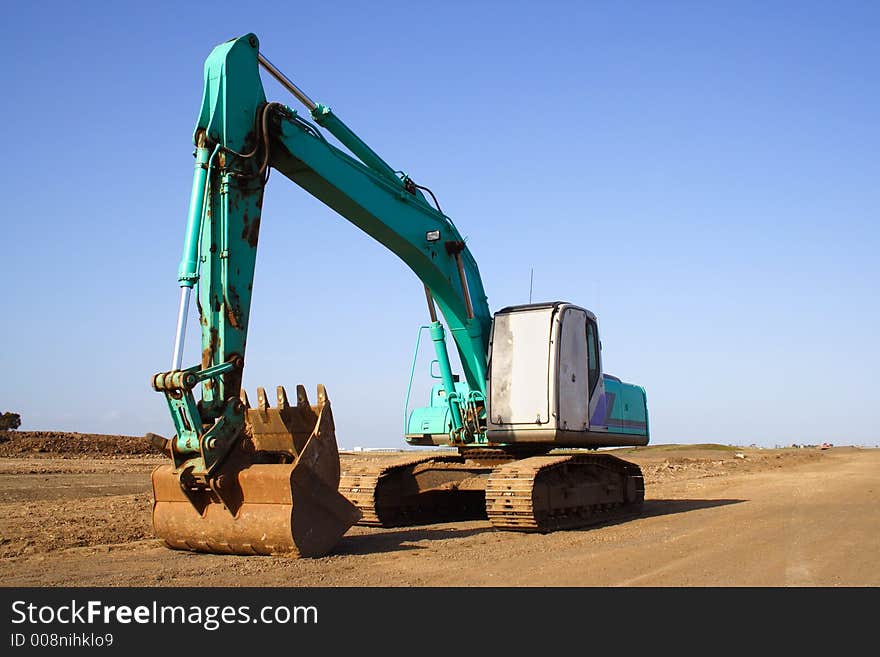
(652, 508)
(660, 507)
(392, 540)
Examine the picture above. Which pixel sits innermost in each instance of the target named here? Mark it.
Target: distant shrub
(10, 421)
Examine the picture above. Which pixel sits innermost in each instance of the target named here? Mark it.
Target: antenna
(531, 281)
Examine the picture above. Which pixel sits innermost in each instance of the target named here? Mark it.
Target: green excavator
(517, 434)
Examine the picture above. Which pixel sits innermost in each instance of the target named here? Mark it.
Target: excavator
(516, 435)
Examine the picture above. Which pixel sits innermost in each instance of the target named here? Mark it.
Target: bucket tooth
(262, 400)
(244, 398)
(302, 399)
(281, 393)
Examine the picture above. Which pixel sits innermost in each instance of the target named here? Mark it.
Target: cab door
(573, 380)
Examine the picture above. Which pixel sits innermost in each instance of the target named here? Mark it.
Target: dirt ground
(75, 511)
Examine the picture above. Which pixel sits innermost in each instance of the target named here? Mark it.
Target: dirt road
(714, 516)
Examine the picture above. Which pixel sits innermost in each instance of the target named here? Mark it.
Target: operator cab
(546, 383)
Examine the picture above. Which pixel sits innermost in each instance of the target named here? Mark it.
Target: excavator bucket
(277, 492)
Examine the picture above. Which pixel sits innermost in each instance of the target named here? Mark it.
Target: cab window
(593, 354)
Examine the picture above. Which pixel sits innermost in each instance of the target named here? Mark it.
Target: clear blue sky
(702, 175)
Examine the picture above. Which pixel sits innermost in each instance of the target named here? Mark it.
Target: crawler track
(546, 493)
(414, 490)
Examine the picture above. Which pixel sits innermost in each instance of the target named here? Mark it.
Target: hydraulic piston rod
(327, 119)
(188, 273)
(180, 335)
(286, 82)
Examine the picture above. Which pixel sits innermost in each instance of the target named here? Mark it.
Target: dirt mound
(60, 443)
(665, 462)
